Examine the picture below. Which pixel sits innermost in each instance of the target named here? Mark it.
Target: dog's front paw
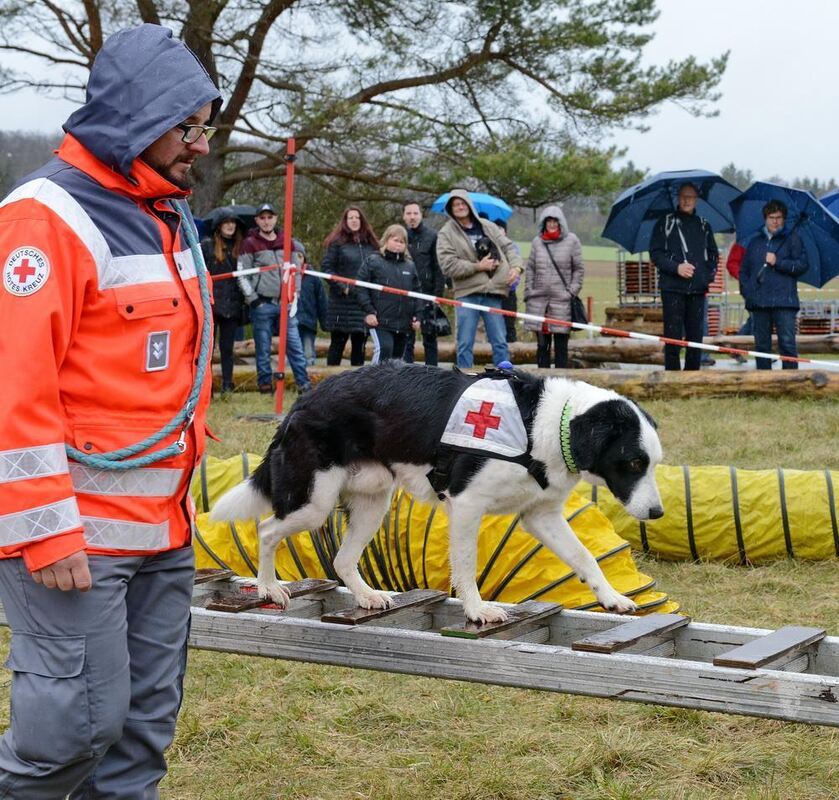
(615, 601)
(373, 599)
(485, 612)
(275, 591)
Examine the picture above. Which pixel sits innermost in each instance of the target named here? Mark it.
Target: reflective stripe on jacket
(101, 355)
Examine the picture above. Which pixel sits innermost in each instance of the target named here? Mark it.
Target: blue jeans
(307, 339)
(265, 319)
(467, 326)
(784, 322)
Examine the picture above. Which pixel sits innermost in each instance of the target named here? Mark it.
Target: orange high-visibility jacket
(100, 313)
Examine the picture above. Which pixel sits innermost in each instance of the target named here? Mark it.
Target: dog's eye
(636, 465)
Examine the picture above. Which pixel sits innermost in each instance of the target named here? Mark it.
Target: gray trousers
(97, 678)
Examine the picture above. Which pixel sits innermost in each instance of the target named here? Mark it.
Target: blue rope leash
(119, 459)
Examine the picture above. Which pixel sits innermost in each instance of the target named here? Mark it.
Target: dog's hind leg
(552, 530)
(464, 522)
(325, 491)
(366, 512)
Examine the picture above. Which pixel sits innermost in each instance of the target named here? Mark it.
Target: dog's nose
(656, 512)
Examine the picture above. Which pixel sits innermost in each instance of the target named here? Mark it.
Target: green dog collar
(565, 437)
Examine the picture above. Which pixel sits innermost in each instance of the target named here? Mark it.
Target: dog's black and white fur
(360, 434)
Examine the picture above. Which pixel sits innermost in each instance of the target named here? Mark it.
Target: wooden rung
(235, 602)
(623, 636)
(524, 614)
(771, 647)
(207, 575)
(308, 586)
(411, 599)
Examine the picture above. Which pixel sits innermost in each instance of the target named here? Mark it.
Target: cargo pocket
(50, 714)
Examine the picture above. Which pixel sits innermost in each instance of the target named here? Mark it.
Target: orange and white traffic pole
(287, 281)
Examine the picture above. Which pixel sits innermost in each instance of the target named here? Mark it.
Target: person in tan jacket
(478, 280)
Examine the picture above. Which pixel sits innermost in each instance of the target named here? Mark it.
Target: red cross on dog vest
(487, 419)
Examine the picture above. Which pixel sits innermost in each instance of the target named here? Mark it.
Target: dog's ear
(592, 431)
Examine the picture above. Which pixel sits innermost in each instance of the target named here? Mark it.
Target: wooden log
(643, 385)
(582, 352)
(589, 351)
(810, 345)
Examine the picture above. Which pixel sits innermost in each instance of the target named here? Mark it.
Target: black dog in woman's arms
(501, 443)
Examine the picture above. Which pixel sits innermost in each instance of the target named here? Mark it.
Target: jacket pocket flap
(147, 300)
(48, 656)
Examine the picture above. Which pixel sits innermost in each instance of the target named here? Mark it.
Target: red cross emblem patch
(25, 271)
(482, 420)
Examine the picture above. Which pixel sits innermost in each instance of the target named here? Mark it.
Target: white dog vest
(486, 421)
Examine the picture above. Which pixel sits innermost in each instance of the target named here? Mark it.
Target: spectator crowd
(472, 259)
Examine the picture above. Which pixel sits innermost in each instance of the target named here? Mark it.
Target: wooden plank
(629, 633)
(207, 575)
(308, 586)
(245, 598)
(518, 617)
(758, 652)
(234, 602)
(411, 599)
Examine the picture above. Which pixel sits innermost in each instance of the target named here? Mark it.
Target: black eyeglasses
(192, 133)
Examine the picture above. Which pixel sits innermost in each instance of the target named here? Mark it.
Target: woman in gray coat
(555, 253)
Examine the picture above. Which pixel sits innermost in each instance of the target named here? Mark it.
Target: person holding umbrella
(685, 253)
(774, 260)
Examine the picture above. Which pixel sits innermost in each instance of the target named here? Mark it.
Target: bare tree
(385, 97)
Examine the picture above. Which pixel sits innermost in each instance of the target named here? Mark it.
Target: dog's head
(615, 442)
(486, 247)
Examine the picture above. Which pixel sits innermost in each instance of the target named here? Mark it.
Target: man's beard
(165, 171)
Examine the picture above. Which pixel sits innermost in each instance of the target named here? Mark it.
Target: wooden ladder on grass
(790, 674)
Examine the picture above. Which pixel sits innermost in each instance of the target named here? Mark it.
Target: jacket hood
(143, 83)
(463, 195)
(556, 213)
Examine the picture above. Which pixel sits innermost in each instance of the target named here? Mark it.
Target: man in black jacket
(684, 250)
(422, 244)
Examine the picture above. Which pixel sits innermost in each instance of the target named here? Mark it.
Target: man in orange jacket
(104, 352)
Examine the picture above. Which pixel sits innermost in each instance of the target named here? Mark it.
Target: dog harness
(486, 420)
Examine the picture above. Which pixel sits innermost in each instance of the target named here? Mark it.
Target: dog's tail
(244, 501)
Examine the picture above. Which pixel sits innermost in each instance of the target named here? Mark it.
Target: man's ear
(592, 431)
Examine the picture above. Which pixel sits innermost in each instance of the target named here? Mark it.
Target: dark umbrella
(635, 213)
(494, 207)
(817, 227)
(242, 214)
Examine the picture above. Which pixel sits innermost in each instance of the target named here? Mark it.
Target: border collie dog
(504, 442)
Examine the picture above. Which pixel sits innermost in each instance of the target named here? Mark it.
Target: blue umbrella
(493, 207)
(831, 202)
(817, 227)
(635, 213)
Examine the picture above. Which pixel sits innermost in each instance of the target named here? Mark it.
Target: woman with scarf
(221, 251)
(390, 317)
(553, 274)
(347, 247)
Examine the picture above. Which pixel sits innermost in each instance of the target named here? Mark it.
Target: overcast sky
(778, 112)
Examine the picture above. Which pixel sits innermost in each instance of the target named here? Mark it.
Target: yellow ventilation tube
(410, 550)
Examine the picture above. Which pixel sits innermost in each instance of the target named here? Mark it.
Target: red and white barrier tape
(601, 329)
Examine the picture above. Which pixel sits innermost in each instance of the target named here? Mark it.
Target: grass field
(253, 728)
